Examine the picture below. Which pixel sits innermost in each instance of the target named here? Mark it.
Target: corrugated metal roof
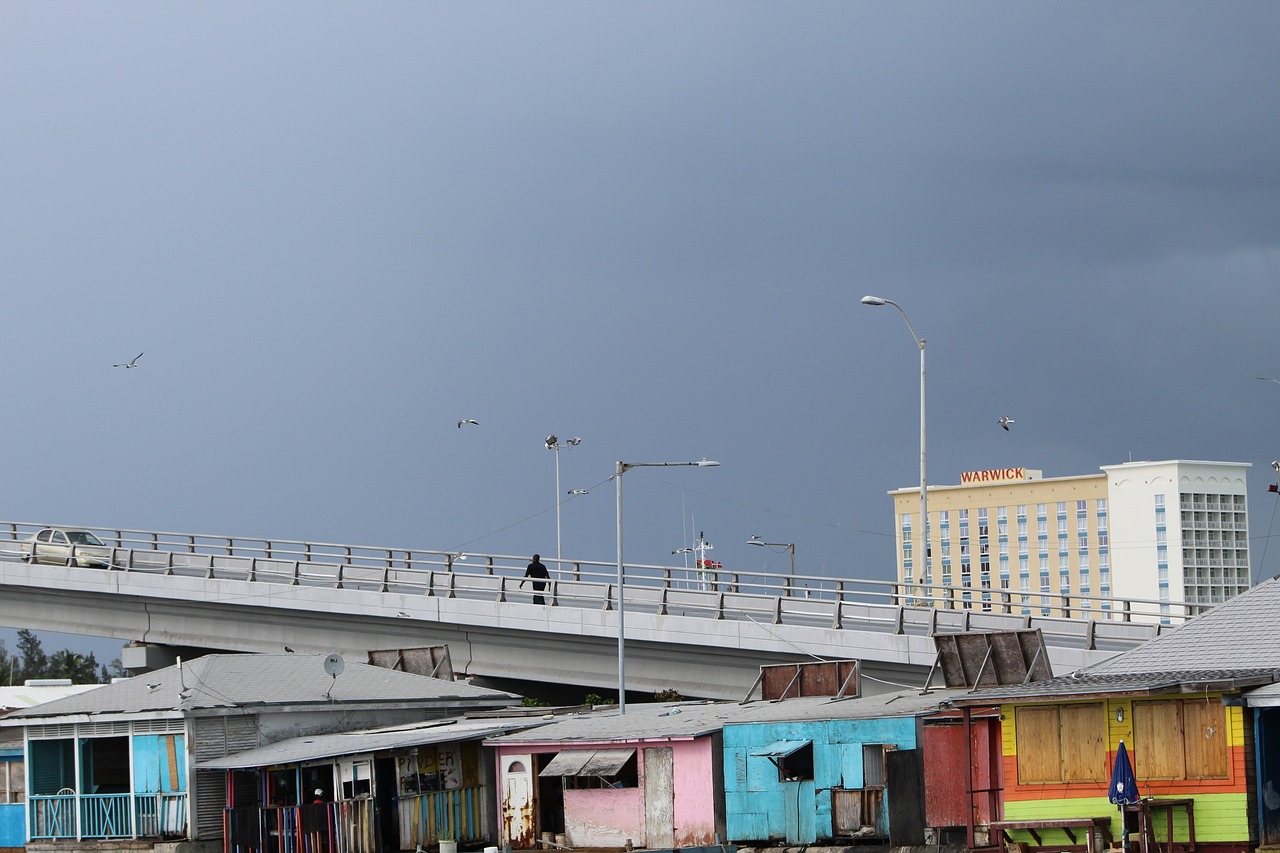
(1263, 697)
(663, 720)
(244, 680)
(1241, 631)
(588, 762)
(316, 747)
(781, 748)
(30, 695)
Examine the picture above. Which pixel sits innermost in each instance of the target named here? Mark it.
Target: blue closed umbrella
(1123, 789)
(1124, 786)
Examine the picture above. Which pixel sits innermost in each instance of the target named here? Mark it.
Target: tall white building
(1185, 530)
(1012, 540)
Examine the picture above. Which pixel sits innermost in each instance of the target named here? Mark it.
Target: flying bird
(577, 492)
(129, 364)
(1269, 379)
(1276, 465)
(1005, 421)
(468, 421)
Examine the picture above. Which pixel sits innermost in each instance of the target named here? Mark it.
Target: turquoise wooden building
(814, 770)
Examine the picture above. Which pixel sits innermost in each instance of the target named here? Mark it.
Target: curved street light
(790, 546)
(924, 486)
(619, 470)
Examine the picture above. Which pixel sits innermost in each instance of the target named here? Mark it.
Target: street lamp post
(622, 468)
(553, 443)
(790, 546)
(924, 485)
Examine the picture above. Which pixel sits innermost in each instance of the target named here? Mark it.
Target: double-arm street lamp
(554, 444)
(790, 546)
(622, 468)
(924, 486)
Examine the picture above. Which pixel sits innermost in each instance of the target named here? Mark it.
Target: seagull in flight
(471, 421)
(129, 364)
(1005, 421)
(1269, 379)
(577, 492)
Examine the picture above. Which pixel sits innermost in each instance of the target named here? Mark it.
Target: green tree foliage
(35, 663)
(31, 661)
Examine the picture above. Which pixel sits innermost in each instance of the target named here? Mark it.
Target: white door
(517, 801)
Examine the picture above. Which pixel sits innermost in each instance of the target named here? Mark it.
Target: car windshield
(83, 537)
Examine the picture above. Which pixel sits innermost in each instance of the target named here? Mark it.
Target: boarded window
(1204, 727)
(1084, 755)
(1061, 743)
(1157, 736)
(1180, 739)
(1039, 745)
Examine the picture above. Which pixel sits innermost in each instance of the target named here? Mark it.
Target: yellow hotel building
(1012, 540)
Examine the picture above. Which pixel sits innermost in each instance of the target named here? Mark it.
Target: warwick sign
(996, 475)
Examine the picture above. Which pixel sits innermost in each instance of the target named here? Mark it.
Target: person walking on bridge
(536, 574)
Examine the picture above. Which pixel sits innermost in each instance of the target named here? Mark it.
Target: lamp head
(706, 463)
(874, 300)
(574, 442)
(755, 540)
(551, 442)
(1276, 465)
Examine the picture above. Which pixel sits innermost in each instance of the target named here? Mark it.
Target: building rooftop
(1239, 632)
(257, 680)
(659, 720)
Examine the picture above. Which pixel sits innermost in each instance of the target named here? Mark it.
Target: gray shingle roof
(1241, 632)
(1084, 683)
(252, 680)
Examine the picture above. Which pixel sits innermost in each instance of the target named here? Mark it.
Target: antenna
(333, 664)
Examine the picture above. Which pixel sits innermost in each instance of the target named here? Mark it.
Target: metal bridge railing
(1076, 620)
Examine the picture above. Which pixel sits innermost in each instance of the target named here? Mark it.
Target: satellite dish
(333, 664)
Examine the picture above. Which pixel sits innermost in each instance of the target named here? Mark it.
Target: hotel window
(1062, 526)
(1062, 507)
(1022, 527)
(1081, 506)
(1042, 527)
(1084, 543)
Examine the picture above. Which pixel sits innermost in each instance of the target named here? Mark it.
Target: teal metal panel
(13, 825)
(799, 812)
(159, 764)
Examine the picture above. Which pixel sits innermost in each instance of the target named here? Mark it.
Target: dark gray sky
(335, 229)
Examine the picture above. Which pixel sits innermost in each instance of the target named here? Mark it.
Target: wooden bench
(1068, 825)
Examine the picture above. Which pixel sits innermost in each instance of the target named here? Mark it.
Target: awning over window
(588, 762)
(781, 748)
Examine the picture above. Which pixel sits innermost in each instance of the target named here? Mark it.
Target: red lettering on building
(994, 475)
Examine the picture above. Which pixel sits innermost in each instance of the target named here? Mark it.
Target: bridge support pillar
(146, 657)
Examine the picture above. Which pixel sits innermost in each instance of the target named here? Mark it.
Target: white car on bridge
(63, 547)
